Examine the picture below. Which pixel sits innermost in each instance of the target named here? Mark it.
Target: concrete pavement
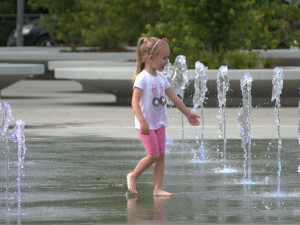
(57, 109)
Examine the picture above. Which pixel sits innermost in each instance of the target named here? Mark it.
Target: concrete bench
(42, 55)
(87, 84)
(52, 65)
(117, 81)
(11, 73)
(114, 80)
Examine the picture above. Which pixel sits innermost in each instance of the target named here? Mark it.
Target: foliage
(104, 23)
(247, 60)
(234, 59)
(113, 23)
(7, 25)
(8, 6)
(63, 19)
(275, 24)
(212, 31)
(201, 25)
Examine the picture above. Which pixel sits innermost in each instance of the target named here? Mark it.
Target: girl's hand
(193, 119)
(136, 96)
(145, 128)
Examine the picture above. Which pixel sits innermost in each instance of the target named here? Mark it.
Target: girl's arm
(191, 117)
(136, 96)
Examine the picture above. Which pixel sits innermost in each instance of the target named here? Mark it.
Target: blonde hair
(145, 47)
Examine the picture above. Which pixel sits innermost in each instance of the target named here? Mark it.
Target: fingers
(194, 122)
(145, 132)
(145, 129)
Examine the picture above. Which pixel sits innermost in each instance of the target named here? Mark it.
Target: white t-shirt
(153, 96)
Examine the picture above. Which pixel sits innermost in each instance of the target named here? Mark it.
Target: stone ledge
(282, 57)
(52, 65)
(11, 73)
(117, 81)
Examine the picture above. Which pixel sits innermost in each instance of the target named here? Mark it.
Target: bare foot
(162, 193)
(131, 183)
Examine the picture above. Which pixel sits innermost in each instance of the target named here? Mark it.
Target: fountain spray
(277, 82)
(19, 137)
(179, 81)
(4, 132)
(299, 120)
(222, 87)
(168, 75)
(244, 121)
(198, 100)
(299, 127)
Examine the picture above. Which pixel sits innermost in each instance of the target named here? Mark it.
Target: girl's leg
(159, 165)
(158, 171)
(152, 148)
(143, 164)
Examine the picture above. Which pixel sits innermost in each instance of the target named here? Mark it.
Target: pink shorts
(154, 143)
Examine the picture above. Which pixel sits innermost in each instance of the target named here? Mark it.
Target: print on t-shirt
(158, 100)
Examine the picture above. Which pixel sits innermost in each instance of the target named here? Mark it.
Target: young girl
(149, 106)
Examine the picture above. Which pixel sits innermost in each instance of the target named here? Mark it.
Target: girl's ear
(150, 57)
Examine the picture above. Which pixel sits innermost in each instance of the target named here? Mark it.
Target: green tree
(104, 23)
(276, 23)
(210, 30)
(113, 23)
(62, 21)
(206, 28)
(7, 24)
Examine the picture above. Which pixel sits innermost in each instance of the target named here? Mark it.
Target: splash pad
(81, 180)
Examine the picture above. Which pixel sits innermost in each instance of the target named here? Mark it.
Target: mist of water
(277, 82)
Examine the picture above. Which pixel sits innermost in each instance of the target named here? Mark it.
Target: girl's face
(160, 60)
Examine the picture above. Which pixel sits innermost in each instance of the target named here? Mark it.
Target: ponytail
(140, 58)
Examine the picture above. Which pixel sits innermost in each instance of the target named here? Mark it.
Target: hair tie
(163, 39)
(149, 43)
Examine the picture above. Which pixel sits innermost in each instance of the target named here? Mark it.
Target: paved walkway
(57, 109)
